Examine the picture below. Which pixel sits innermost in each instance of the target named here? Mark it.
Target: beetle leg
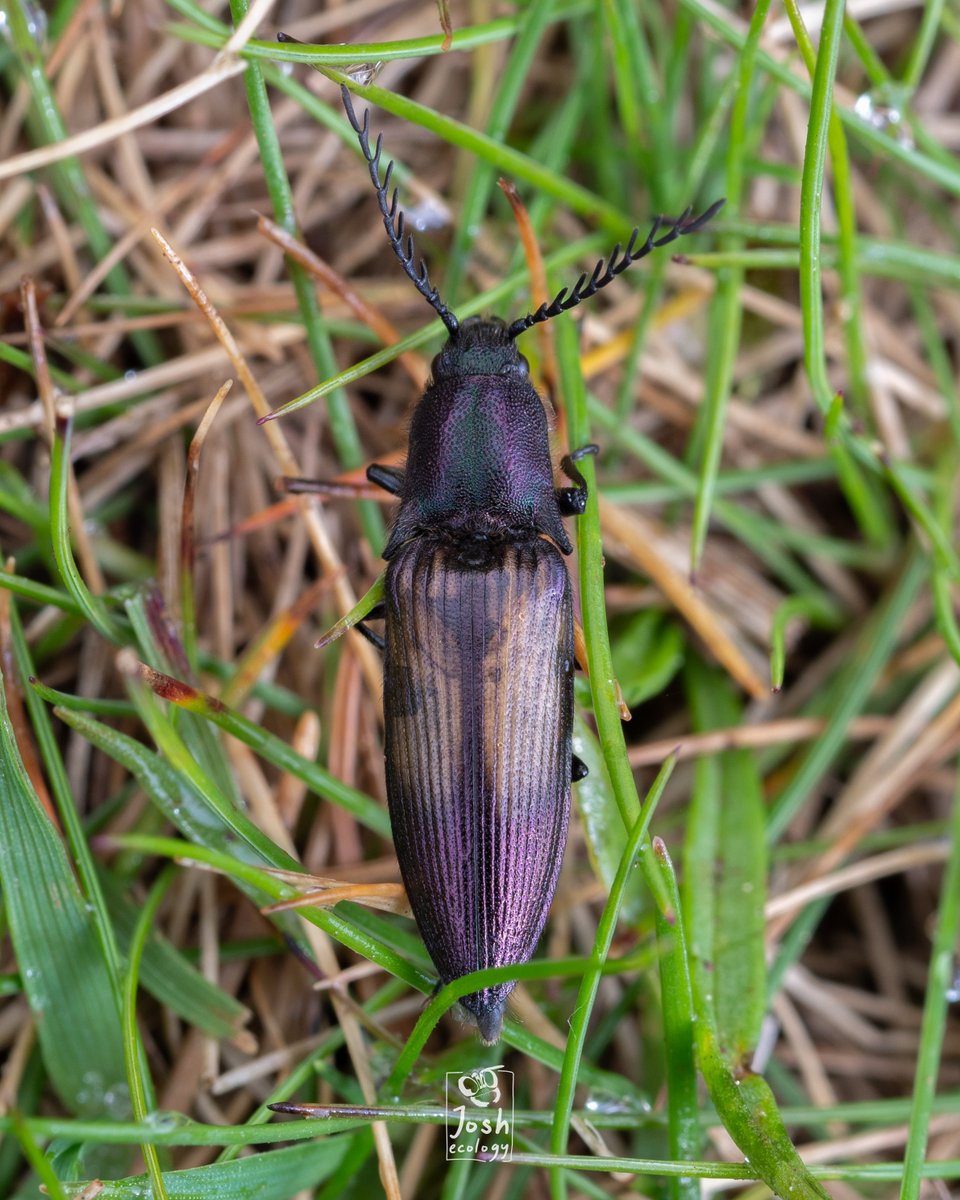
(578, 769)
(389, 478)
(579, 648)
(320, 487)
(572, 501)
(375, 639)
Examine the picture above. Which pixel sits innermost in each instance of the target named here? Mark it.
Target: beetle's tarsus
(578, 769)
(572, 502)
(389, 478)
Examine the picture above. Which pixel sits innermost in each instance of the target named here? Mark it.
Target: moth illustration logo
(480, 1122)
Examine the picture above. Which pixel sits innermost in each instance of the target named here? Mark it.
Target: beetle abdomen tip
(490, 1029)
(486, 1012)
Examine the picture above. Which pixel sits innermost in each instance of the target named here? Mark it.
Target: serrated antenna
(608, 269)
(393, 219)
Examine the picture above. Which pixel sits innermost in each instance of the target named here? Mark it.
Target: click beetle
(479, 630)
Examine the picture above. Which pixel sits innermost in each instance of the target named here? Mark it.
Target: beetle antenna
(608, 269)
(393, 219)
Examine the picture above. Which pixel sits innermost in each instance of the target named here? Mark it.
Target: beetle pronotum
(478, 644)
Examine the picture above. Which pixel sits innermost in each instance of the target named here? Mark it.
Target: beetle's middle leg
(572, 501)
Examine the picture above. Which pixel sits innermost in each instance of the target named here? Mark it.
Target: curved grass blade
(57, 947)
(170, 978)
(39, 1161)
(724, 880)
(941, 989)
(91, 606)
(137, 1070)
(210, 32)
(214, 836)
(602, 681)
(820, 610)
(591, 976)
(364, 606)
(679, 1019)
(340, 415)
(726, 309)
(274, 749)
(161, 648)
(847, 694)
(533, 20)
(274, 1176)
(602, 823)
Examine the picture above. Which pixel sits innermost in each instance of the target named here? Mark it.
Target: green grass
(779, 425)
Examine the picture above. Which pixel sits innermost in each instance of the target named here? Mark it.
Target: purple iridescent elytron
(478, 705)
(478, 677)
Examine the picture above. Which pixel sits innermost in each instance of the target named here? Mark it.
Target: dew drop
(610, 1104)
(36, 22)
(116, 1102)
(883, 110)
(364, 73)
(428, 214)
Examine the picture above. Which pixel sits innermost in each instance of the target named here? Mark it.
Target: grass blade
(58, 950)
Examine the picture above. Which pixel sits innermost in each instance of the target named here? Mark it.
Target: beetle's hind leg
(572, 501)
(375, 639)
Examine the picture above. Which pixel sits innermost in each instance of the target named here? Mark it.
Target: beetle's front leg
(572, 501)
(380, 474)
(386, 477)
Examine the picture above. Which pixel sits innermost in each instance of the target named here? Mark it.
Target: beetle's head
(481, 346)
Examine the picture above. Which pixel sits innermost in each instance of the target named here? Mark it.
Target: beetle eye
(523, 367)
